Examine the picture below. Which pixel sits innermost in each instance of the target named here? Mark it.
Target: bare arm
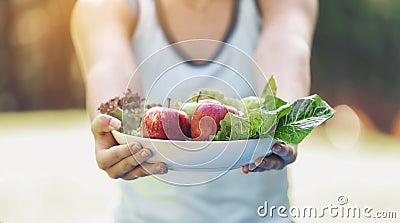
(101, 32)
(284, 47)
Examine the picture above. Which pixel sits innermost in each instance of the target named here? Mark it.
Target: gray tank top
(234, 197)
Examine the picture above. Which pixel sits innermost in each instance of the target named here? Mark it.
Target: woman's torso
(233, 197)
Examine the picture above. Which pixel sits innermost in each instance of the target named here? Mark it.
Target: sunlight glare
(343, 130)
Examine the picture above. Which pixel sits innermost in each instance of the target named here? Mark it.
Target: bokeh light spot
(343, 130)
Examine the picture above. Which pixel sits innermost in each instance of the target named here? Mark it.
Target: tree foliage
(356, 56)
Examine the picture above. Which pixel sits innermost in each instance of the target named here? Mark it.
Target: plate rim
(188, 141)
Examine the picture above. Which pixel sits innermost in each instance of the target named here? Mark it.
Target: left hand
(282, 155)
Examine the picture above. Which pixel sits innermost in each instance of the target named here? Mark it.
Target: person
(112, 37)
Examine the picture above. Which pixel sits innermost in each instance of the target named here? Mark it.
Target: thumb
(102, 126)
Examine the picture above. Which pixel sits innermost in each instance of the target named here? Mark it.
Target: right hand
(121, 161)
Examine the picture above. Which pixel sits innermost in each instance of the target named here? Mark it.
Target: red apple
(165, 123)
(206, 118)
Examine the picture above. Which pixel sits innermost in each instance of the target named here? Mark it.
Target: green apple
(252, 102)
(209, 100)
(189, 108)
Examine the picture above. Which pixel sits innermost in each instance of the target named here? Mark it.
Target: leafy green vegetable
(238, 104)
(270, 88)
(283, 110)
(279, 102)
(262, 123)
(305, 114)
(233, 127)
(271, 102)
(286, 122)
(128, 108)
(251, 102)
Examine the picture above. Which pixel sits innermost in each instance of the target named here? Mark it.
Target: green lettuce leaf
(262, 123)
(271, 102)
(271, 116)
(270, 88)
(233, 127)
(303, 116)
(236, 103)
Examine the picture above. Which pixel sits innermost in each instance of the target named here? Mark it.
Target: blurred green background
(355, 61)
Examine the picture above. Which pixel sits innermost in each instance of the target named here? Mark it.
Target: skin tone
(288, 28)
(102, 31)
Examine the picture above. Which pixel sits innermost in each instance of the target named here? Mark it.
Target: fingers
(272, 162)
(109, 157)
(121, 161)
(287, 153)
(128, 162)
(282, 155)
(131, 162)
(245, 169)
(104, 123)
(101, 129)
(146, 169)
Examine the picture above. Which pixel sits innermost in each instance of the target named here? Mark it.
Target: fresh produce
(252, 102)
(208, 95)
(286, 122)
(190, 107)
(165, 123)
(212, 116)
(206, 120)
(128, 107)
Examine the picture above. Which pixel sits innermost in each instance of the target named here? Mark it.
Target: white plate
(204, 156)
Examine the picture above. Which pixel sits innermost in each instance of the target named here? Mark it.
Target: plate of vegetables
(212, 132)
